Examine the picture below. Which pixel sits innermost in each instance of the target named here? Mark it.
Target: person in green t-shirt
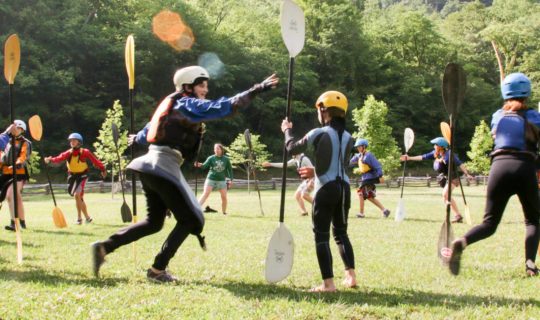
(219, 176)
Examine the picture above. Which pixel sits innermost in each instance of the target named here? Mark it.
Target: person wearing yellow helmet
(332, 200)
(370, 168)
(174, 134)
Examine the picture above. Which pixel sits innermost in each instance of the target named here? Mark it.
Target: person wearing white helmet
(174, 134)
(441, 157)
(370, 168)
(516, 131)
(23, 150)
(76, 159)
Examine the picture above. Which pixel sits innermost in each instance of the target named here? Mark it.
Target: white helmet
(188, 75)
(20, 124)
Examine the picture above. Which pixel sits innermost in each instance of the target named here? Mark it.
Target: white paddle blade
(409, 139)
(293, 27)
(279, 258)
(400, 211)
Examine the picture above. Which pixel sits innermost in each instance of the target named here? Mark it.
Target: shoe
(386, 213)
(360, 215)
(89, 219)
(79, 221)
(303, 214)
(22, 223)
(11, 227)
(455, 257)
(224, 213)
(162, 277)
(98, 257)
(208, 209)
(169, 214)
(531, 269)
(457, 219)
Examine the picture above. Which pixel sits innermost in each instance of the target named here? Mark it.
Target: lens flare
(169, 27)
(212, 63)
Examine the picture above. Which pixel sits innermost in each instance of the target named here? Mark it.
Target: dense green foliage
(72, 65)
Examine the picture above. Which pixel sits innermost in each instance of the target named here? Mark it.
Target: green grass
(398, 270)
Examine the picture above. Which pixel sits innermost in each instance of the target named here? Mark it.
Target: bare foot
(350, 282)
(322, 288)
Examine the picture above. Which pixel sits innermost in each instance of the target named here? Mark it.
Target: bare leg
(361, 198)
(307, 196)
(377, 203)
(298, 197)
(9, 197)
(223, 193)
(206, 193)
(453, 204)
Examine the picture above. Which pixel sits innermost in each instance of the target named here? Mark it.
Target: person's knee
(339, 234)
(321, 236)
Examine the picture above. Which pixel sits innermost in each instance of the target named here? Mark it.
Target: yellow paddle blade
(130, 60)
(12, 58)
(36, 130)
(445, 130)
(58, 218)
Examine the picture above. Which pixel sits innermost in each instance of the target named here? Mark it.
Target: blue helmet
(516, 85)
(75, 136)
(361, 142)
(440, 141)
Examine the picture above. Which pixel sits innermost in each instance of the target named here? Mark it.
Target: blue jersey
(369, 159)
(510, 128)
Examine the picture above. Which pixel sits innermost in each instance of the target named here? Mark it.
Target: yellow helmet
(333, 99)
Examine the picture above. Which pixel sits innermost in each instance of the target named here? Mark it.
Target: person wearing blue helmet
(515, 129)
(76, 158)
(367, 165)
(441, 156)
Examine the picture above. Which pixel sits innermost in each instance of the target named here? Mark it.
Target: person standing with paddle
(174, 134)
(23, 151)
(332, 201)
(219, 176)
(515, 128)
(441, 158)
(371, 170)
(76, 161)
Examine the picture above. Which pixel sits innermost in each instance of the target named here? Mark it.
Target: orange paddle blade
(58, 218)
(36, 129)
(12, 58)
(445, 130)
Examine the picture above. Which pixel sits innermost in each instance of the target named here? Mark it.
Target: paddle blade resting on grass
(400, 211)
(408, 140)
(446, 236)
(279, 258)
(58, 218)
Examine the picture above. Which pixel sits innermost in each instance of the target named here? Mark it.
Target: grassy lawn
(398, 270)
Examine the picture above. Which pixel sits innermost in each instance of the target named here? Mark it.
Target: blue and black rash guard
(331, 153)
(511, 132)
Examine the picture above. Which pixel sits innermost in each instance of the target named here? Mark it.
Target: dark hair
(335, 112)
(196, 82)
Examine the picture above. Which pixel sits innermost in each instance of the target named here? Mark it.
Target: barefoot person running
(333, 145)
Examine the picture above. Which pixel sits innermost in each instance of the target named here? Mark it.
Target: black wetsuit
(512, 172)
(332, 190)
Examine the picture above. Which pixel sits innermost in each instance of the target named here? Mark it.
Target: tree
(238, 152)
(34, 165)
(371, 122)
(481, 144)
(105, 150)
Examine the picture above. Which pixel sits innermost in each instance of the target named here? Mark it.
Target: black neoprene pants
(331, 207)
(511, 175)
(160, 195)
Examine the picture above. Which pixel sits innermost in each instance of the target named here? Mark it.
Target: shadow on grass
(25, 243)
(53, 279)
(63, 232)
(393, 297)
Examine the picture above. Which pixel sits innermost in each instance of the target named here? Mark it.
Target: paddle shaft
(450, 178)
(13, 158)
(403, 178)
(132, 149)
(285, 155)
(120, 171)
(252, 168)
